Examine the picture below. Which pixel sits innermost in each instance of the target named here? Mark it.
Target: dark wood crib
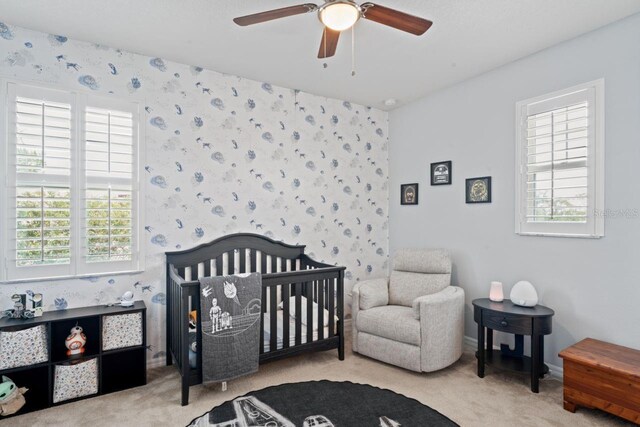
(286, 272)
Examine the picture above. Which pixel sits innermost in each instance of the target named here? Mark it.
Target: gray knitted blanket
(231, 310)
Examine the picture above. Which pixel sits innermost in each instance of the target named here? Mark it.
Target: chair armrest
(451, 295)
(364, 295)
(441, 327)
(371, 293)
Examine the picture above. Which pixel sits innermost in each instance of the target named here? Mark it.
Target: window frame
(77, 268)
(594, 226)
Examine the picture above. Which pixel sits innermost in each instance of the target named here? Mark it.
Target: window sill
(79, 276)
(566, 235)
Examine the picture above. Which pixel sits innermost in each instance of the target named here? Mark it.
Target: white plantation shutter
(109, 223)
(560, 150)
(39, 174)
(72, 186)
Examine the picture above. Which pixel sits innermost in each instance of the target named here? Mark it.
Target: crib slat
(285, 315)
(253, 256)
(309, 295)
(207, 268)
(243, 261)
(298, 306)
(332, 303)
(195, 271)
(320, 301)
(273, 313)
(219, 266)
(274, 265)
(231, 257)
(263, 263)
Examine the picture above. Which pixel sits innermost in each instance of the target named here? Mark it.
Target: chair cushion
(404, 287)
(430, 261)
(374, 293)
(392, 322)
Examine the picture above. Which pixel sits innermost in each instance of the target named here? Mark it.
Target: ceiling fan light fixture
(339, 15)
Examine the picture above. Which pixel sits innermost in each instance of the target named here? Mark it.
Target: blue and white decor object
(75, 380)
(253, 157)
(23, 347)
(121, 330)
(524, 294)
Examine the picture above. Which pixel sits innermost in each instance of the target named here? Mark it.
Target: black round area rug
(322, 404)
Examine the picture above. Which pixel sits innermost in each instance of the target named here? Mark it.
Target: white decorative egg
(524, 294)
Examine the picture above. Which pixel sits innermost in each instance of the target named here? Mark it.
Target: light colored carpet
(499, 399)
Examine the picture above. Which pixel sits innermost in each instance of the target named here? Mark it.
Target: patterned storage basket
(76, 380)
(121, 330)
(24, 347)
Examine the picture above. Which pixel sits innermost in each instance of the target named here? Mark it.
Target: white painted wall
(593, 285)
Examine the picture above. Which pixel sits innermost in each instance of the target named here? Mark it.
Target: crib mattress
(292, 332)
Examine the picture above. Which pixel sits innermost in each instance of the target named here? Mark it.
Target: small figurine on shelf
(11, 397)
(34, 303)
(75, 341)
(127, 299)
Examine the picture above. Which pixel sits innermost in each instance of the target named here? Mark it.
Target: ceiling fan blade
(269, 15)
(329, 43)
(396, 19)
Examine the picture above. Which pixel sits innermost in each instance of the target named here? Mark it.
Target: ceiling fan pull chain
(353, 50)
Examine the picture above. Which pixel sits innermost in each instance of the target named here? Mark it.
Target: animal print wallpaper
(223, 155)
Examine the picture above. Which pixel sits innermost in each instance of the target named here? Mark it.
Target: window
(72, 194)
(560, 163)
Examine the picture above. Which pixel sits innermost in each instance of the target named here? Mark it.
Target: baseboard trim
(554, 371)
(156, 363)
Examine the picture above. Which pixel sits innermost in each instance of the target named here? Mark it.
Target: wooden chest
(604, 376)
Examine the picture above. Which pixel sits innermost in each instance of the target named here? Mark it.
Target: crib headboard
(240, 252)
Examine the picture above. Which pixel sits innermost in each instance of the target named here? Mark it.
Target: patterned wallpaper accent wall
(223, 154)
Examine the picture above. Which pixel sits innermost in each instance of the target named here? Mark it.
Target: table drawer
(507, 323)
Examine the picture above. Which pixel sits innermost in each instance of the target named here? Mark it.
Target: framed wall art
(441, 173)
(409, 194)
(478, 190)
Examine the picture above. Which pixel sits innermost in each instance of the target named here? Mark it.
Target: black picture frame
(441, 173)
(409, 194)
(478, 190)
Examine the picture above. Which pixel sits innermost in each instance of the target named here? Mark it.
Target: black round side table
(520, 321)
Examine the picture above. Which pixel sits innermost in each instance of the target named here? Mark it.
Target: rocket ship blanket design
(230, 312)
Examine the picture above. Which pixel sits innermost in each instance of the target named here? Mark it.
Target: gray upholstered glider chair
(414, 319)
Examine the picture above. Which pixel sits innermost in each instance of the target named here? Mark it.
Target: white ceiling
(468, 37)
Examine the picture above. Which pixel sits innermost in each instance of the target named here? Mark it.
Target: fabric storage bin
(23, 347)
(121, 330)
(75, 380)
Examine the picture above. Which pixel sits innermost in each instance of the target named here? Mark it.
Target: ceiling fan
(340, 15)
